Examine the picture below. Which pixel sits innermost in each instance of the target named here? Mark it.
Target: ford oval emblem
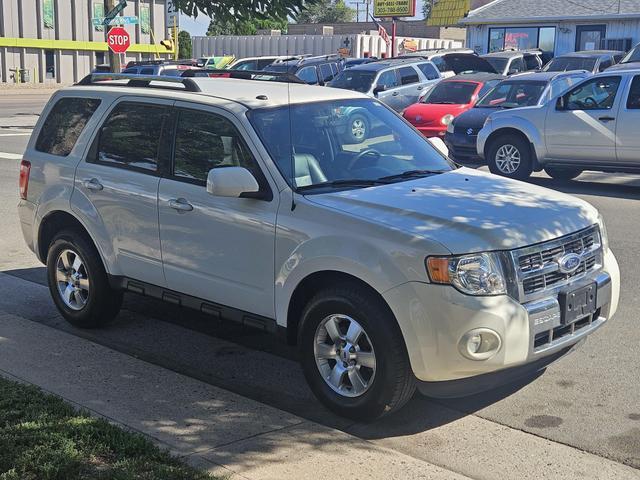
(569, 263)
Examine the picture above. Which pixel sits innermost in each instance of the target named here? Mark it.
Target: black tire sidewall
(561, 173)
(524, 169)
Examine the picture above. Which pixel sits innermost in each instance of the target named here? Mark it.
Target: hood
(467, 210)
(422, 114)
(474, 117)
(467, 62)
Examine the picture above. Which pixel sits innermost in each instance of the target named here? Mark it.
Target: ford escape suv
(251, 201)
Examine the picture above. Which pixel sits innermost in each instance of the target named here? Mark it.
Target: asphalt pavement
(589, 400)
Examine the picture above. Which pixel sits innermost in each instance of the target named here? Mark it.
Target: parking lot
(588, 400)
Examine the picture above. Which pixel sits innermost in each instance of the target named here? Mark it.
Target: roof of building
(527, 11)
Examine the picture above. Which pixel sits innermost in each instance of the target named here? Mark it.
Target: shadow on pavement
(630, 189)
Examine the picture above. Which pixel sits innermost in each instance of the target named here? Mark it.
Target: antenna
(292, 150)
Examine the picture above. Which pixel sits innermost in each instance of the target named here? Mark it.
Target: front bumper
(462, 148)
(437, 131)
(434, 319)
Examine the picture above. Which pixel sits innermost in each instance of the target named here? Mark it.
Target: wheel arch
(505, 131)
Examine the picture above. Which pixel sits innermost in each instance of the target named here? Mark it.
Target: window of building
(50, 64)
(522, 38)
(100, 58)
(204, 141)
(408, 75)
(131, 135)
(64, 125)
(145, 19)
(98, 12)
(48, 14)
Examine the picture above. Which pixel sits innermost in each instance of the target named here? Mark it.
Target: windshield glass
(455, 93)
(498, 63)
(513, 94)
(358, 80)
(564, 64)
(315, 144)
(632, 56)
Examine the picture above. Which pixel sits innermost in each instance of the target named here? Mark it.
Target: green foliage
(245, 27)
(43, 438)
(184, 44)
(239, 10)
(327, 11)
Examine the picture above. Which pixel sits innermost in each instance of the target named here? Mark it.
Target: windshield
(499, 63)
(632, 56)
(342, 142)
(513, 94)
(358, 80)
(455, 93)
(564, 64)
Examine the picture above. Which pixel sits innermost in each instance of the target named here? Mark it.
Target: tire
(510, 156)
(562, 173)
(387, 379)
(78, 281)
(357, 128)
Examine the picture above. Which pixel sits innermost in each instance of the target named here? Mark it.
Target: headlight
(447, 119)
(475, 274)
(450, 128)
(604, 236)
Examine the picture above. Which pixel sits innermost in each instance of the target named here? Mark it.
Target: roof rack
(259, 75)
(329, 56)
(112, 79)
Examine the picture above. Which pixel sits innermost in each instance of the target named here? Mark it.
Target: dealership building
(56, 41)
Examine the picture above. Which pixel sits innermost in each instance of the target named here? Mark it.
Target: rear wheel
(78, 281)
(353, 354)
(510, 156)
(358, 129)
(562, 173)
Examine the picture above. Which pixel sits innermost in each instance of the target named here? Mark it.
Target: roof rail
(109, 79)
(259, 75)
(317, 57)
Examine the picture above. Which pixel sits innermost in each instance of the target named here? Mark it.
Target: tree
(239, 10)
(184, 44)
(326, 11)
(245, 27)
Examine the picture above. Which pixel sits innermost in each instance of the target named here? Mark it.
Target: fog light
(480, 344)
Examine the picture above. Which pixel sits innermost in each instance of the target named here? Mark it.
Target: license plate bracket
(578, 303)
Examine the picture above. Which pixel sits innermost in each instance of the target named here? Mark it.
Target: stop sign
(118, 40)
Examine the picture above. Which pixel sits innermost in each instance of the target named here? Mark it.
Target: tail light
(25, 170)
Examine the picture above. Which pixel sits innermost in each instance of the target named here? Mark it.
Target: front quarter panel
(529, 121)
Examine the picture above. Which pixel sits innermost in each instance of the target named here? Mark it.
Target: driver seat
(307, 170)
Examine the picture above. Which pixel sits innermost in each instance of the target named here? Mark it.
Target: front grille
(538, 270)
(466, 130)
(547, 338)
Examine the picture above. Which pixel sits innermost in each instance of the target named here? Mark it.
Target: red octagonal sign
(118, 40)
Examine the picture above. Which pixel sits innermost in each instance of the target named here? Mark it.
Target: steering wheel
(361, 155)
(590, 102)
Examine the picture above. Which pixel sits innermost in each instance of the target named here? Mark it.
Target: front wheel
(358, 129)
(510, 156)
(353, 354)
(562, 173)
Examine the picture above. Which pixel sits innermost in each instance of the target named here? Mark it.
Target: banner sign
(394, 8)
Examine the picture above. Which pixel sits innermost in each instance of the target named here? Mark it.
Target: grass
(44, 438)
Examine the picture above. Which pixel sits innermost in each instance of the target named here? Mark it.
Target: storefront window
(547, 39)
(496, 39)
(48, 14)
(522, 38)
(145, 20)
(98, 12)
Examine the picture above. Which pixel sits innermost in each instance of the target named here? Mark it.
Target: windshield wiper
(411, 174)
(346, 182)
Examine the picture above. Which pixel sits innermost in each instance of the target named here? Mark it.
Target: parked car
(259, 63)
(593, 61)
(451, 62)
(447, 100)
(318, 70)
(593, 126)
(510, 62)
(388, 266)
(352, 62)
(396, 82)
(215, 62)
(157, 67)
(523, 90)
(631, 60)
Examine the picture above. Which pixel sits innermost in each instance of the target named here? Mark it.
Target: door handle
(93, 184)
(181, 205)
(420, 88)
(395, 94)
(606, 119)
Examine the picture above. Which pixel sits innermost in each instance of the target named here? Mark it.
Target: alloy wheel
(508, 158)
(358, 129)
(72, 279)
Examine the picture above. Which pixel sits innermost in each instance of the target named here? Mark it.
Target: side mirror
(379, 89)
(513, 71)
(560, 104)
(231, 182)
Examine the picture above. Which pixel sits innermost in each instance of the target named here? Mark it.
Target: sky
(198, 26)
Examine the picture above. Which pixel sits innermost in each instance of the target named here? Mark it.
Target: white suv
(251, 201)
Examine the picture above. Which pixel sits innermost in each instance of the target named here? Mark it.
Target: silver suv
(252, 201)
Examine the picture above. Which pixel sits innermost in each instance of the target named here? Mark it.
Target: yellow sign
(447, 13)
(394, 8)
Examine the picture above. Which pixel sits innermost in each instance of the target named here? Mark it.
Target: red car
(448, 99)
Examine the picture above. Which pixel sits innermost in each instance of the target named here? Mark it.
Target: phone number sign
(394, 8)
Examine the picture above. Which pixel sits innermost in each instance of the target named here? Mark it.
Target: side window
(308, 75)
(604, 64)
(440, 63)
(486, 87)
(596, 94)
(65, 123)
(517, 65)
(633, 101)
(429, 71)
(408, 75)
(531, 62)
(130, 70)
(131, 134)
(559, 85)
(334, 69)
(146, 71)
(326, 73)
(388, 79)
(204, 141)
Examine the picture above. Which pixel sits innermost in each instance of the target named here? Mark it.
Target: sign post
(118, 40)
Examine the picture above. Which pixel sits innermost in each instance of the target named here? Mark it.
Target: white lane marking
(10, 156)
(14, 134)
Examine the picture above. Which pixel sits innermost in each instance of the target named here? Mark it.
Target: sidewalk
(213, 429)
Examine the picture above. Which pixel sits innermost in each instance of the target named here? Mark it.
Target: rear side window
(325, 71)
(131, 135)
(308, 75)
(408, 75)
(429, 71)
(65, 123)
(604, 64)
(146, 71)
